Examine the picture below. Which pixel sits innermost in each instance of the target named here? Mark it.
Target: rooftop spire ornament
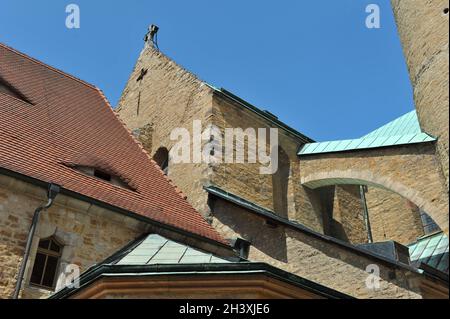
(151, 37)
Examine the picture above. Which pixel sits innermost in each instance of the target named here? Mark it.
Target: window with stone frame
(46, 264)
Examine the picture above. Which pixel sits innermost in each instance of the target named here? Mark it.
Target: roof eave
(197, 270)
(216, 191)
(230, 96)
(70, 193)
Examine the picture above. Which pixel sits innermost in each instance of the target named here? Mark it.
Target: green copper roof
(407, 124)
(155, 249)
(404, 130)
(431, 250)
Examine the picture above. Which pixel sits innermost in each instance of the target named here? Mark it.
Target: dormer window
(105, 175)
(102, 175)
(6, 88)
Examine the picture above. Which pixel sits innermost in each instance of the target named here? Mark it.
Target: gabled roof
(403, 130)
(69, 123)
(431, 250)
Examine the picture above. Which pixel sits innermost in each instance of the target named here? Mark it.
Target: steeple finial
(151, 37)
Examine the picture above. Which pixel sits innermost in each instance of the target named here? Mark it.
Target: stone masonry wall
(423, 26)
(312, 258)
(347, 221)
(410, 171)
(167, 97)
(279, 192)
(89, 233)
(392, 217)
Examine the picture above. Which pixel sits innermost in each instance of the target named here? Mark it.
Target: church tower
(423, 28)
(162, 97)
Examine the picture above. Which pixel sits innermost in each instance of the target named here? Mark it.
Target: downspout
(53, 190)
(362, 191)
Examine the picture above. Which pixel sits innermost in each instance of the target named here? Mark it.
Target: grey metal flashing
(266, 115)
(239, 201)
(231, 269)
(264, 213)
(93, 201)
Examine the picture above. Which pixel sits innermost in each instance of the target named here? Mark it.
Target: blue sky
(312, 63)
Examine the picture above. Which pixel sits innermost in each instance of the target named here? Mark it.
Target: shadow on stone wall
(280, 181)
(236, 221)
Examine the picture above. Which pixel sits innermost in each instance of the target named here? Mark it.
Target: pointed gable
(71, 125)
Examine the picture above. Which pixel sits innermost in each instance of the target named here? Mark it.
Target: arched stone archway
(410, 171)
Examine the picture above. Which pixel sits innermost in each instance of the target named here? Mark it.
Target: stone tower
(423, 28)
(161, 96)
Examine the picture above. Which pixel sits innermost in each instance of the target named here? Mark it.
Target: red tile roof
(65, 122)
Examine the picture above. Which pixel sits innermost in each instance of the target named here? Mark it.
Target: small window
(161, 157)
(46, 263)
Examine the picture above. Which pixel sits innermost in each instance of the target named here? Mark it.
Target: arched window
(46, 263)
(161, 157)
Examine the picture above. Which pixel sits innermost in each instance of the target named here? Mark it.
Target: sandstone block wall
(88, 233)
(392, 217)
(280, 192)
(347, 219)
(423, 27)
(169, 97)
(312, 258)
(410, 171)
(166, 98)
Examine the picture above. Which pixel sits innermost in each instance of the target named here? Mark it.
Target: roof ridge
(99, 132)
(400, 120)
(52, 68)
(178, 65)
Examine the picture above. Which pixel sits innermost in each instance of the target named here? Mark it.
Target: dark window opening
(102, 175)
(46, 264)
(161, 157)
(446, 11)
